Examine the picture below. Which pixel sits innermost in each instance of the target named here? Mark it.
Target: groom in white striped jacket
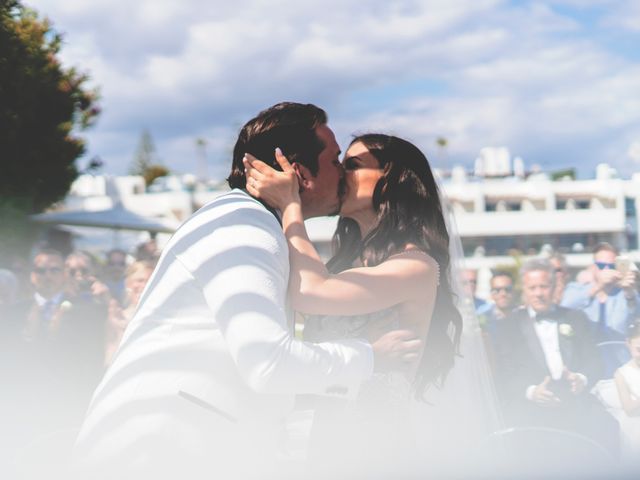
(209, 366)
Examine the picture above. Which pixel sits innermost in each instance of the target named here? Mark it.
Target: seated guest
(36, 320)
(61, 338)
(81, 281)
(470, 285)
(89, 301)
(627, 379)
(610, 299)
(138, 274)
(502, 301)
(148, 250)
(42, 311)
(561, 271)
(546, 359)
(113, 273)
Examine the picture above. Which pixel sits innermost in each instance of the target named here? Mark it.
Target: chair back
(614, 354)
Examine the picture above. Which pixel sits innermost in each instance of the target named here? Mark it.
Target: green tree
(564, 173)
(145, 154)
(43, 106)
(145, 162)
(442, 144)
(154, 171)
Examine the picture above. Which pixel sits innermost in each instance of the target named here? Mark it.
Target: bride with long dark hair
(391, 269)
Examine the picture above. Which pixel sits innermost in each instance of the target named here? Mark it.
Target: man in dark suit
(59, 343)
(546, 360)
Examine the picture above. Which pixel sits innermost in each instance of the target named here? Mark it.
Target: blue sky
(557, 81)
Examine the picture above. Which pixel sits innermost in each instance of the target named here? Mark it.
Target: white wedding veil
(460, 415)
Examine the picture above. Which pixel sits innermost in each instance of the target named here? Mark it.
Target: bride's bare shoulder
(415, 253)
(421, 261)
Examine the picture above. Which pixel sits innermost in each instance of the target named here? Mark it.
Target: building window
(502, 206)
(630, 207)
(572, 204)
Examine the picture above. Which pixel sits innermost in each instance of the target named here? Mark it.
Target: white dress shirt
(547, 332)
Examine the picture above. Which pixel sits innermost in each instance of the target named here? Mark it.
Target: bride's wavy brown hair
(409, 211)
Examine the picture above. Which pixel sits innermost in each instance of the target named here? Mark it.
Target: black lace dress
(372, 429)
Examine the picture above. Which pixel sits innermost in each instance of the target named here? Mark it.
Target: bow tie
(546, 316)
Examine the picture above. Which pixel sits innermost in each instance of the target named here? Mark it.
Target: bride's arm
(404, 277)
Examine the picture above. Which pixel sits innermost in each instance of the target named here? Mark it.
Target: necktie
(602, 316)
(47, 310)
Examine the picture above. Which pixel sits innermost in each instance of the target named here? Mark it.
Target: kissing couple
(209, 367)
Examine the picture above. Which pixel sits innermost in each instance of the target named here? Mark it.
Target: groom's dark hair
(290, 126)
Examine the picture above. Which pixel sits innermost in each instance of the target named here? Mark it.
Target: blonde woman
(136, 278)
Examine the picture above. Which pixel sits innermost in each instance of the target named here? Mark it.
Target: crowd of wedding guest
(565, 347)
(62, 318)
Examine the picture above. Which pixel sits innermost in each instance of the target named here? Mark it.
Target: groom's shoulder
(230, 201)
(231, 217)
(232, 208)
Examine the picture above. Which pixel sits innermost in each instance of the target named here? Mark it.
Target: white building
(496, 213)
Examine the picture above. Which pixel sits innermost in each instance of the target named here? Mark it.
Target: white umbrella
(115, 218)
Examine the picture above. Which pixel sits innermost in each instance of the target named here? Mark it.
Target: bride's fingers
(253, 173)
(282, 161)
(252, 189)
(412, 345)
(250, 161)
(410, 357)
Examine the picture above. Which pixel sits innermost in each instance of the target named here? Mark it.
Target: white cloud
(624, 14)
(521, 75)
(634, 152)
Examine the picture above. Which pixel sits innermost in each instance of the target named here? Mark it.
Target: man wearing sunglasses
(32, 336)
(502, 301)
(59, 342)
(48, 281)
(610, 300)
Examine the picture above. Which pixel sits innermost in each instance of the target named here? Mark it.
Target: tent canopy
(116, 218)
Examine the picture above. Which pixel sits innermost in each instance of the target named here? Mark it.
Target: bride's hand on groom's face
(398, 350)
(278, 189)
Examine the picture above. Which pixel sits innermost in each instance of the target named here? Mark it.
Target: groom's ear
(303, 174)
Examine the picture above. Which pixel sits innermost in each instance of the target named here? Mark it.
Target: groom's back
(178, 388)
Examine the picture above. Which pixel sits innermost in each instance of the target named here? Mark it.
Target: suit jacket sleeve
(587, 358)
(246, 292)
(510, 381)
